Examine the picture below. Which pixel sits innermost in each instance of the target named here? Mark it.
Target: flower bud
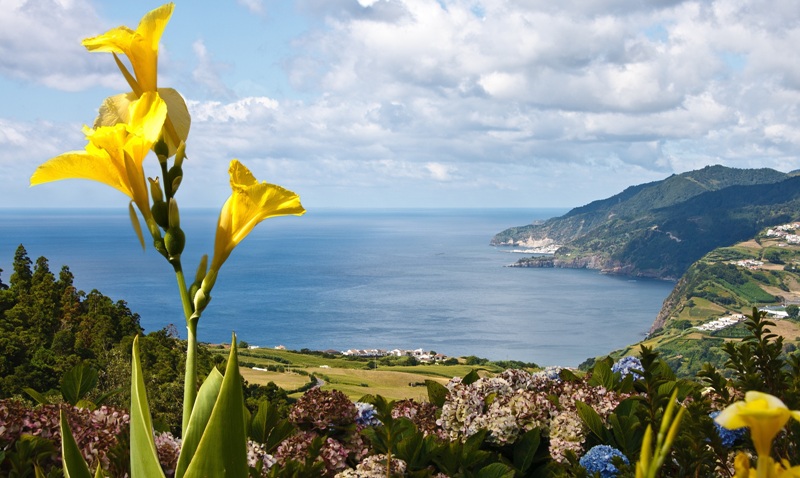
(174, 177)
(201, 300)
(174, 215)
(158, 244)
(162, 150)
(180, 154)
(160, 213)
(176, 184)
(174, 240)
(201, 270)
(155, 190)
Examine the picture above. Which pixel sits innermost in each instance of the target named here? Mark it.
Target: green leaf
(222, 451)
(471, 377)
(602, 376)
(525, 450)
(267, 428)
(144, 458)
(74, 465)
(201, 413)
(591, 419)
(437, 393)
(36, 396)
(101, 400)
(77, 382)
(496, 470)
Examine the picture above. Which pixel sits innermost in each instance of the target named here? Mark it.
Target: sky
(417, 103)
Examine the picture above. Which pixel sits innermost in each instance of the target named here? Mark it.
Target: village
(422, 356)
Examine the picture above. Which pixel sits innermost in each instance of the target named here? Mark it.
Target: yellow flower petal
(140, 46)
(250, 203)
(764, 414)
(115, 109)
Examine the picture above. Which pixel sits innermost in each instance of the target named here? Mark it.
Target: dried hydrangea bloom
(169, 449)
(322, 410)
(375, 467)
(422, 414)
(96, 431)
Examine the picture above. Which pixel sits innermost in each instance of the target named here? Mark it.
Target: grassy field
(350, 376)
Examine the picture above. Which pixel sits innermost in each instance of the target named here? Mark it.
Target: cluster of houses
(419, 354)
(721, 323)
(751, 264)
(785, 231)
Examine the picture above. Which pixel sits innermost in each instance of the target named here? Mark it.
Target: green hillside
(763, 271)
(659, 229)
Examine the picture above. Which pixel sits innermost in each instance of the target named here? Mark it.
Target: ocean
(341, 279)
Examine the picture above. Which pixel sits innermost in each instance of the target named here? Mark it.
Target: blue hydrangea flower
(728, 437)
(550, 373)
(628, 365)
(366, 415)
(598, 460)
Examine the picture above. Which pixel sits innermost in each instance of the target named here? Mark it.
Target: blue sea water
(340, 279)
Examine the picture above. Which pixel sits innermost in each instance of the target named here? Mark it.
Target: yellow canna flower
(250, 203)
(771, 468)
(764, 414)
(114, 154)
(140, 46)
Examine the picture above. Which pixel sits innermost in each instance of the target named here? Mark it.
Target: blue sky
(418, 103)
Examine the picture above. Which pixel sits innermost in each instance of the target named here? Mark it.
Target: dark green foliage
(268, 427)
(47, 327)
(756, 359)
(793, 311)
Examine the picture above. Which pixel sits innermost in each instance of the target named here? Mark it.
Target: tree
(22, 275)
(793, 311)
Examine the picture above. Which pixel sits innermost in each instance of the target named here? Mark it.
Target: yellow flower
(764, 414)
(771, 468)
(114, 154)
(250, 203)
(140, 46)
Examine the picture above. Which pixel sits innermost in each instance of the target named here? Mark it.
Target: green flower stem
(190, 377)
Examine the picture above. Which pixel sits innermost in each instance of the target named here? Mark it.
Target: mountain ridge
(659, 229)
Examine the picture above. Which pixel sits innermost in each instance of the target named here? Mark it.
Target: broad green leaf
(266, 427)
(437, 393)
(496, 470)
(470, 378)
(222, 451)
(77, 382)
(144, 458)
(525, 450)
(203, 405)
(36, 396)
(602, 376)
(74, 465)
(591, 419)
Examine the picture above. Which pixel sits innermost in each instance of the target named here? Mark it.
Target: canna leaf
(222, 451)
(74, 465)
(144, 458)
(201, 412)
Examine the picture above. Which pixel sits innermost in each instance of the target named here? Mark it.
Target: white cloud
(207, 72)
(40, 42)
(467, 95)
(253, 6)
